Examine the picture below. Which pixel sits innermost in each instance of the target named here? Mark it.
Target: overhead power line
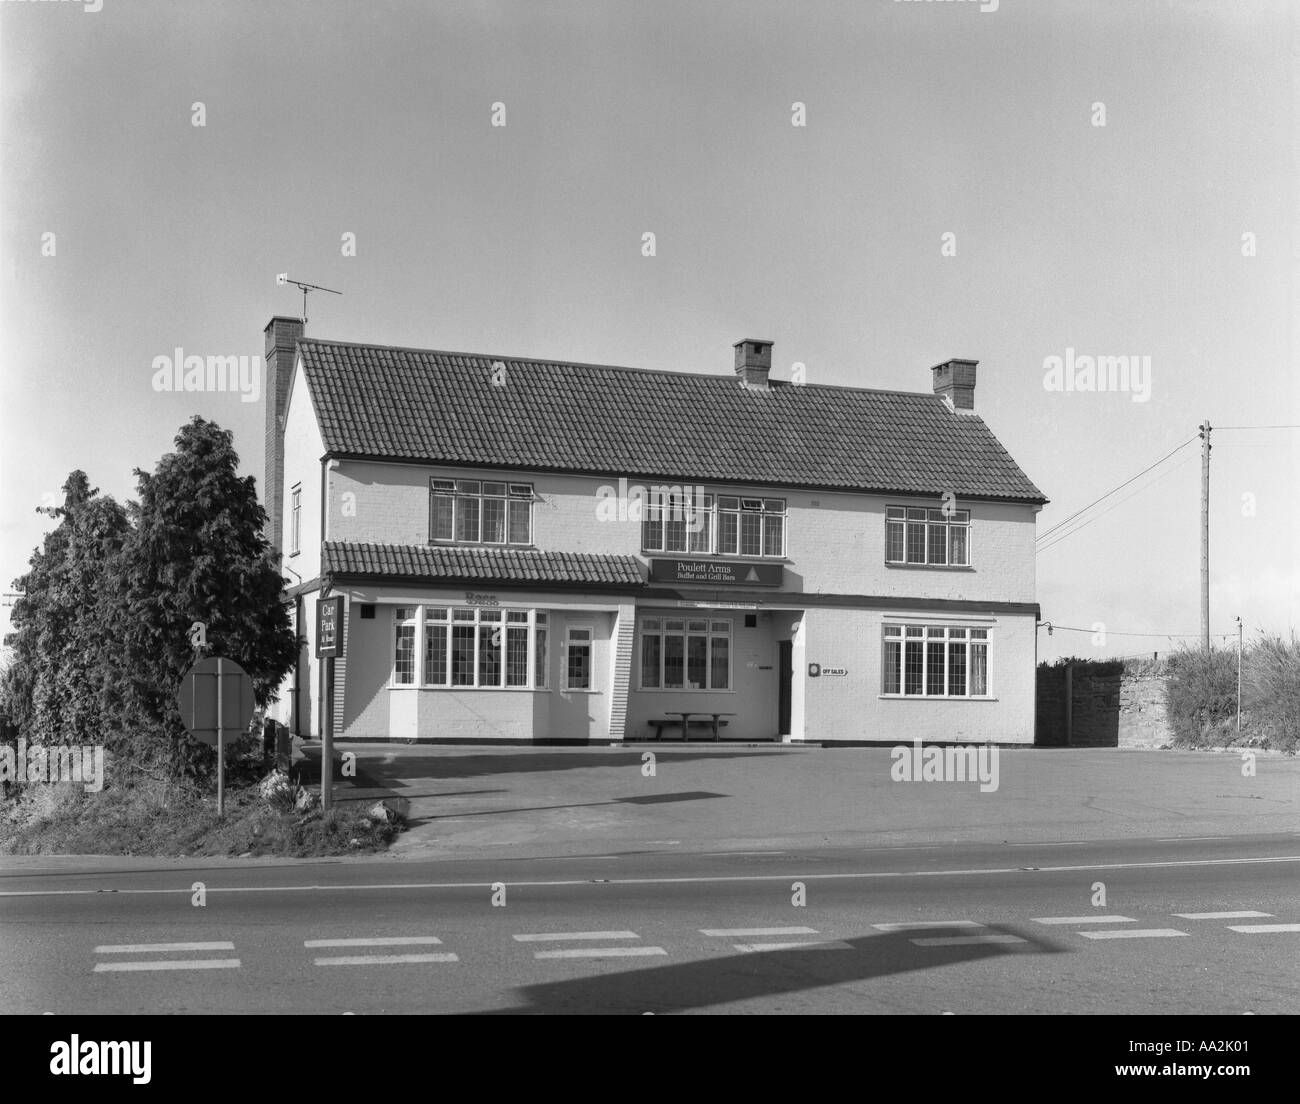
(1067, 534)
(1113, 632)
(1107, 495)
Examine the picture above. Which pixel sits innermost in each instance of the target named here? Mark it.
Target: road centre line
(545, 937)
(601, 952)
(1084, 920)
(170, 964)
(378, 941)
(1255, 929)
(1134, 933)
(137, 948)
(684, 880)
(384, 960)
(925, 925)
(728, 933)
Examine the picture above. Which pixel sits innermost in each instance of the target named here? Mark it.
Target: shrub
(1202, 695)
(1271, 691)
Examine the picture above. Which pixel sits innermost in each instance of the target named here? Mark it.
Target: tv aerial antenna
(283, 279)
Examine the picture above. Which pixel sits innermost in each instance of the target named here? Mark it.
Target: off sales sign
(329, 627)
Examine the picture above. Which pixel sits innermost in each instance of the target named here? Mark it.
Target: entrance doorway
(786, 662)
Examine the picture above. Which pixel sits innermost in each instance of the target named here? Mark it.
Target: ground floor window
(935, 661)
(685, 654)
(577, 657)
(470, 647)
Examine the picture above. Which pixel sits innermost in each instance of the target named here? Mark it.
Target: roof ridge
(608, 367)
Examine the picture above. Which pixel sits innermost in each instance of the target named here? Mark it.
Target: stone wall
(1108, 707)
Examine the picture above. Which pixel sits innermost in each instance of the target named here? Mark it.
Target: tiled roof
(480, 565)
(412, 404)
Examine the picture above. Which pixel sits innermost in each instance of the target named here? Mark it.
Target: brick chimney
(955, 381)
(753, 362)
(282, 336)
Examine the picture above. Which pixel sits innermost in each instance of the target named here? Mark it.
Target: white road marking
(1134, 933)
(173, 964)
(821, 945)
(1057, 843)
(136, 948)
(703, 879)
(1252, 929)
(1084, 920)
(601, 952)
(548, 937)
(966, 940)
(1219, 915)
(378, 941)
(1191, 839)
(728, 933)
(715, 853)
(383, 960)
(922, 925)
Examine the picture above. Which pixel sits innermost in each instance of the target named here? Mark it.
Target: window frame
(295, 519)
(569, 629)
(772, 513)
(894, 667)
(902, 517)
(534, 620)
(453, 491)
(656, 625)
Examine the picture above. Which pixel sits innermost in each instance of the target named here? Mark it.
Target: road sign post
(221, 749)
(215, 700)
(329, 643)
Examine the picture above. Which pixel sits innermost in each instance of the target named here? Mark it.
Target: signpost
(329, 643)
(215, 700)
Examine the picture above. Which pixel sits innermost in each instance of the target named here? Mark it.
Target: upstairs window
(927, 537)
(295, 523)
(677, 521)
(474, 511)
(751, 526)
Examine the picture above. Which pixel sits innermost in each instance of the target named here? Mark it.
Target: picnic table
(715, 723)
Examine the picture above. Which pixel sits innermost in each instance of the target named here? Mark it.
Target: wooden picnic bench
(683, 721)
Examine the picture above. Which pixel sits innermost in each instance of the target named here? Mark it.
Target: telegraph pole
(1205, 534)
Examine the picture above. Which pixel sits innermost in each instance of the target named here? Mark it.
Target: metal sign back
(197, 699)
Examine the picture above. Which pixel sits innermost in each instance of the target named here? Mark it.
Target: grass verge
(149, 816)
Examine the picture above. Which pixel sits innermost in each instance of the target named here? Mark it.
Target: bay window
(471, 647)
(935, 661)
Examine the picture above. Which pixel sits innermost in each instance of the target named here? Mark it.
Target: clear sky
(328, 117)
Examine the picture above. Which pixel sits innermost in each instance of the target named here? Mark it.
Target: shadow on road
(691, 986)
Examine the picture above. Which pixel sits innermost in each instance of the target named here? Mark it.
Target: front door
(786, 666)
